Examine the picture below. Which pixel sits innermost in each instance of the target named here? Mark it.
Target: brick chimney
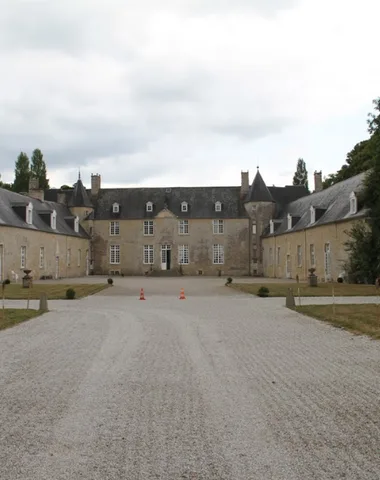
(318, 187)
(244, 188)
(95, 184)
(34, 189)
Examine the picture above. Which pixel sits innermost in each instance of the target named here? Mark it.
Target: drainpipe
(249, 246)
(305, 256)
(275, 258)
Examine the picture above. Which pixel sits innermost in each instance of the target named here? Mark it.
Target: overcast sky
(185, 92)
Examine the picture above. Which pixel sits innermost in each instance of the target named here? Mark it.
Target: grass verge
(12, 316)
(359, 319)
(54, 291)
(322, 290)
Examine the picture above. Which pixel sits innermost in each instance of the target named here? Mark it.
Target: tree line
(25, 169)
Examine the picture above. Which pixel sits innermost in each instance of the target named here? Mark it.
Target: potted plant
(313, 279)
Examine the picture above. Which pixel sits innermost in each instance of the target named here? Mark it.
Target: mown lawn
(12, 316)
(322, 290)
(360, 319)
(54, 291)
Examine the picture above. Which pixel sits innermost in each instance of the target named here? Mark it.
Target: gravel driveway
(218, 387)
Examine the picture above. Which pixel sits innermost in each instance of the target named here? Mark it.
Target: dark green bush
(110, 281)
(70, 294)
(263, 292)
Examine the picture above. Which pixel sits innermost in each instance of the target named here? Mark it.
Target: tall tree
(301, 176)
(38, 168)
(22, 173)
(364, 241)
(6, 186)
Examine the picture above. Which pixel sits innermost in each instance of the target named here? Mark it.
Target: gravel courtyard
(218, 386)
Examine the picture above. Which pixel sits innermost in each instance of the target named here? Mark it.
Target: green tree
(6, 186)
(301, 176)
(364, 238)
(22, 173)
(38, 168)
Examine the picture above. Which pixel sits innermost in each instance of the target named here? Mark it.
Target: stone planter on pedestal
(27, 279)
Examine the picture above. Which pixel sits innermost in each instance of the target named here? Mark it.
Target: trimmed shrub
(110, 281)
(229, 281)
(263, 292)
(6, 281)
(70, 294)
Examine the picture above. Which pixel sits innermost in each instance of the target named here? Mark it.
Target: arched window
(149, 207)
(218, 206)
(115, 208)
(184, 207)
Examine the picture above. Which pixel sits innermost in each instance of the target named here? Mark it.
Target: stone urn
(313, 279)
(27, 279)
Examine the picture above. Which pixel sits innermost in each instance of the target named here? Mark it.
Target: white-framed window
(218, 206)
(114, 228)
(271, 226)
(254, 229)
(270, 256)
(76, 224)
(79, 257)
(42, 257)
(299, 255)
(312, 214)
(115, 208)
(312, 255)
(149, 207)
(23, 257)
(183, 254)
(289, 221)
(183, 227)
(218, 227)
(184, 207)
(278, 255)
(68, 257)
(114, 254)
(29, 214)
(148, 227)
(148, 254)
(353, 203)
(327, 253)
(53, 220)
(217, 254)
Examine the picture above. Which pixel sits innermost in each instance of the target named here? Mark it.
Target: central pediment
(165, 213)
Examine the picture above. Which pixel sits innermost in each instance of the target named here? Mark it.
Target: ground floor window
(148, 254)
(114, 254)
(42, 257)
(23, 257)
(183, 254)
(218, 254)
(299, 256)
(312, 255)
(79, 257)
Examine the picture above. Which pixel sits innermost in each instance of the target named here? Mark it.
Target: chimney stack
(95, 184)
(34, 189)
(318, 186)
(244, 184)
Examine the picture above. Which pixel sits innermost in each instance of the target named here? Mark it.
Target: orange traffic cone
(142, 294)
(182, 294)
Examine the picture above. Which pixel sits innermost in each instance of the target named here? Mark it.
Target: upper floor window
(289, 221)
(218, 226)
(184, 207)
(114, 228)
(271, 226)
(76, 224)
(183, 227)
(53, 220)
(353, 203)
(148, 227)
(218, 206)
(29, 214)
(115, 208)
(149, 207)
(312, 214)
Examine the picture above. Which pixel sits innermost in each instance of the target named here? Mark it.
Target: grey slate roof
(79, 197)
(12, 213)
(201, 202)
(258, 191)
(332, 205)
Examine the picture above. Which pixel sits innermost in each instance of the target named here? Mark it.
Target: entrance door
(56, 268)
(166, 257)
(288, 266)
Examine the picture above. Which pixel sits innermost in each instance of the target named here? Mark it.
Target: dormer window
(115, 208)
(289, 221)
(184, 207)
(218, 206)
(29, 214)
(353, 203)
(76, 224)
(271, 226)
(53, 220)
(149, 207)
(312, 214)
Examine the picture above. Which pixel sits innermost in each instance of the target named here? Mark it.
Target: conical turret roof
(79, 197)
(258, 191)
